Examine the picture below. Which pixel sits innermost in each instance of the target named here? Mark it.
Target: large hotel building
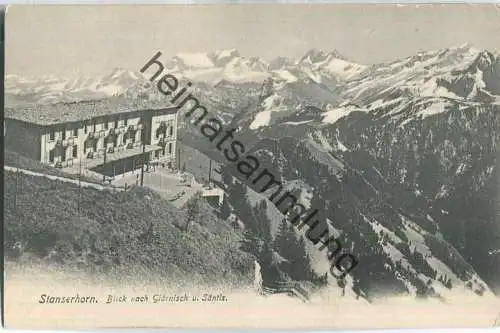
(110, 136)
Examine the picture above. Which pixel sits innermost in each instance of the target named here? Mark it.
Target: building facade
(163, 133)
(112, 140)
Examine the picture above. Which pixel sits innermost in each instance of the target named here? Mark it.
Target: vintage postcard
(252, 166)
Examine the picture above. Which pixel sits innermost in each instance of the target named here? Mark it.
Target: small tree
(251, 243)
(301, 264)
(225, 209)
(257, 229)
(227, 179)
(282, 240)
(192, 210)
(294, 250)
(341, 283)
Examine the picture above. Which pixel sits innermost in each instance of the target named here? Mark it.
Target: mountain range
(401, 156)
(226, 66)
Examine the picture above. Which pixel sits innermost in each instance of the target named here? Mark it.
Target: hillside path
(63, 179)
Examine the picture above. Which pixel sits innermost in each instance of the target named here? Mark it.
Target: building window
(52, 136)
(116, 123)
(75, 131)
(51, 156)
(125, 121)
(64, 134)
(170, 148)
(106, 125)
(171, 131)
(85, 128)
(94, 126)
(75, 151)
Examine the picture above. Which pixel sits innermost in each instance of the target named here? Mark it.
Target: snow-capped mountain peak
(193, 60)
(329, 67)
(279, 63)
(221, 57)
(460, 72)
(123, 75)
(315, 56)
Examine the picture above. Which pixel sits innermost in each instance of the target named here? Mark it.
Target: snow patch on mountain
(262, 119)
(297, 122)
(341, 68)
(271, 105)
(432, 89)
(323, 156)
(333, 115)
(112, 89)
(285, 75)
(434, 108)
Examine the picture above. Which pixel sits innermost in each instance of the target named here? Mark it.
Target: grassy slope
(118, 232)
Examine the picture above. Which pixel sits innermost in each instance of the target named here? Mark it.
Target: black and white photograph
(272, 166)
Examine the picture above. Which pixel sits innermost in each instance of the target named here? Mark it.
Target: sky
(89, 40)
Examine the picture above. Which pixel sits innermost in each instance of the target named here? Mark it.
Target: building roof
(66, 112)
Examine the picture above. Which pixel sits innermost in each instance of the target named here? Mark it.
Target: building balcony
(117, 130)
(162, 142)
(91, 154)
(94, 135)
(65, 142)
